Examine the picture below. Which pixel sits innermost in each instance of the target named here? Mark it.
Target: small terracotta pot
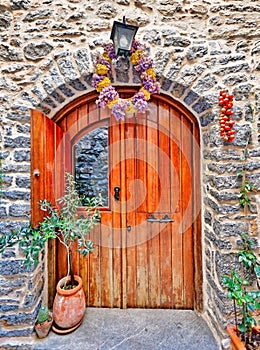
(69, 305)
(237, 343)
(42, 329)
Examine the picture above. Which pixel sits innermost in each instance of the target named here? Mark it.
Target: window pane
(91, 164)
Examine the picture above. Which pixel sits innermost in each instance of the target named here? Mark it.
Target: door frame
(197, 227)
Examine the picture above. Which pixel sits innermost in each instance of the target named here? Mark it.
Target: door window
(91, 164)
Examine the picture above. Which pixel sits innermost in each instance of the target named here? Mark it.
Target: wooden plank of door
(187, 211)
(93, 112)
(152, 205)
(142, 297)
(165, 206)
(38, 164)
(94, 274)
(46, 137)
(115, 207)
(106, 247)
(123, 215)
(129, 231)
(176, 202)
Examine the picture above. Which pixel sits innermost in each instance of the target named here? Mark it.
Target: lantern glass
(123, 35)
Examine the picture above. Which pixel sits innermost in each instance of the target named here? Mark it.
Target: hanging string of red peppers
(225, 119)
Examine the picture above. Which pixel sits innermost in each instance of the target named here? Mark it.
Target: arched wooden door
(148, 244)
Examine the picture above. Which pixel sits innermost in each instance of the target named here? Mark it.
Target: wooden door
(46, 166)
(148, 244)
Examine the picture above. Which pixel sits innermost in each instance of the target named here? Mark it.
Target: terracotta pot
(69, 305)
(42, 329)
(237, 343)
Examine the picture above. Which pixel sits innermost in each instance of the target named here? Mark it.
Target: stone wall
(46, 55)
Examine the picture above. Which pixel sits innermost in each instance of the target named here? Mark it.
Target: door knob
(116, 193)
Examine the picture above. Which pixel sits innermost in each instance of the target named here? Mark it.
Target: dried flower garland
(109, 97)
(225, 119)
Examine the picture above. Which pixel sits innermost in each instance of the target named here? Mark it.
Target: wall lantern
(122, 35)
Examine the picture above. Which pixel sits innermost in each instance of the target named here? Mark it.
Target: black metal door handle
(116, 193)
(152, 218)
(166, 218)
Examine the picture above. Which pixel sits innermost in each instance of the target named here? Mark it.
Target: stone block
(3, 212)
(231, 58)
(224, 262)
(8, 254)
(23, 182)
(50, 102)
(214, 286)
(178, 90)
(234, 79)
(189, 74)
(4, 154)
(202, 105)
(191, 97)
(243, 67)
(66, 91)
(176, 41)
(207, 119)
(207, 217)
(197, 51)
(169, 8)
(249, 112)
(13, 267)
(18, 142)
(7, 226)
(107, 11)
(205, 83)
(77, 85)
(19, 210)
(255, 50)
(7, 307)
(255, 180)
(242, 91)
(6, 19)
(238, 113)
(243, 134)
(56, 78)
(27, 97)
(161, 59)
(23, 332)
(16, 168)
(20, 4)
(67, 69)
(218, 243)
(36, 15)
(36, 51)
(16, 195)
(152, 37)
(23, 128)
(224, 196)
(10, 54)
(83, 60)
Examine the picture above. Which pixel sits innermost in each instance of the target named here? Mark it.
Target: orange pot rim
(68, 292)
(231, 329)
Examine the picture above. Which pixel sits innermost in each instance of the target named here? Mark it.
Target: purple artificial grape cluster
(108, 94)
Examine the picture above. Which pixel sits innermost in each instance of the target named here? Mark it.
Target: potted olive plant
(243, 284)
(63, 224)
(67, 227)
